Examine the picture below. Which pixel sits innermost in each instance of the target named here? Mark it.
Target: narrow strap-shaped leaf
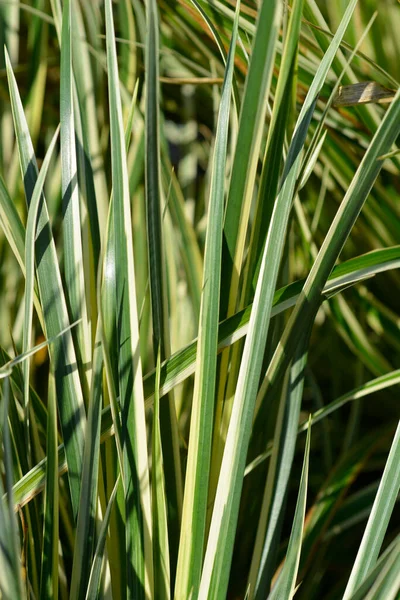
(85, 78)
(221, 48)
(387, 583)
(158, 290)
(285, 437)
(162, 584)
(281, 112)
(313, 14)
(73, 255)
(68, 386)
(14, 231)
(347, 469)
(107, 315)
(379, 518)
(90, 158)
(153, 191)
(10, 565)
(107, 307)
(390, 555)
(30, 277)
(252, 117)
(134, 442)
(273, 156)
(49, 572)
(7, 368)
(191, 256)
(12, 225)
(285, 585)
(86, 522)
(198, 464)
(95, 572)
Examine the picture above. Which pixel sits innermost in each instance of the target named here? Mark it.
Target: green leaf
(162, 585)
(285, 585)
(153, 189)
(273, 155)
(285, 437)
(221, 48)
(331, 494)
(379, 518)
(30, 278)
(387, 584)
(190, 251)
(107, 306)
(252, 117)
(68, 387)
(73, 256)
(91, 173)
(86, 522)
(156, 257)
(95, 572)
(14, 231)
(387, 559)
(134, 443)
(198, 464)
(49, 573)
(10, 572)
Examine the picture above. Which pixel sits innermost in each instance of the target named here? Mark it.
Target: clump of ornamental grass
(199, 226)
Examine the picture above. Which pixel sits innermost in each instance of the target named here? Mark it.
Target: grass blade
(14, 231)
(273, 154)
(162, 587)
(197, 472)
(74, 275)
(221, 48)
(30, 278)
(85, 78)
(153, 191)
(86, 522)
(137, 488)
(285, 437)
(252, 117)
(389, 556)
(49, 572)
(158, 295)
(10, 573)
(278, 127)
(69, 391)
(379, 518)
(387, 584)
(95, 573)
(285, 585)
